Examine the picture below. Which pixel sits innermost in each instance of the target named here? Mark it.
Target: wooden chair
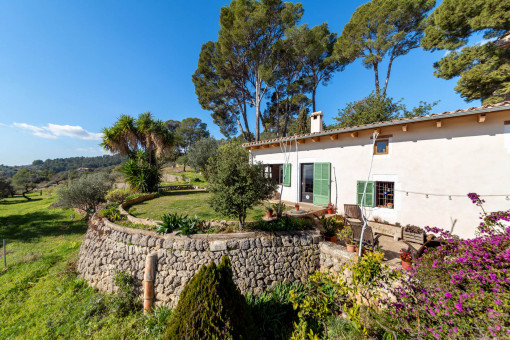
(417, 253)
(352, 215)
(369, 239)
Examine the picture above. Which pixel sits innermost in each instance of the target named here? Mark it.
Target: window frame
(274, 172)
(381, 200)
(387, 140)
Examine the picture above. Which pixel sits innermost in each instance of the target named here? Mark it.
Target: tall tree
(381, 28)
(26, 180)
(374, 108)
(220, 85)
(191, 130)
(240, 61)
(302, 121)
(484, 69)
(6, 188)
(314, 47)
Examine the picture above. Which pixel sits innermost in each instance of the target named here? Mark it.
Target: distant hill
(65, 164)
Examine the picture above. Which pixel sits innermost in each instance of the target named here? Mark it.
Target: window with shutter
(369, 194)
(321, 183)
(286, 174)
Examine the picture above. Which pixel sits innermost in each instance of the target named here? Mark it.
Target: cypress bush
(211, 307)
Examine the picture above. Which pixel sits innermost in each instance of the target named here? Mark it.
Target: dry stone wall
(259, 260)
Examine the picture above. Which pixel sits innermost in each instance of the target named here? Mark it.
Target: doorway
(307, 182)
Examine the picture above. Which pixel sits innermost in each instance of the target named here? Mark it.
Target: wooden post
(5, 254)
(148, 282)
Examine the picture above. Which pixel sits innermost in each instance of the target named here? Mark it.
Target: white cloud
(53, 131)
(2, 124)
(93, 150)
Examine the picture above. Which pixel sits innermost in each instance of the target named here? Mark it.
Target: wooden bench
(370, 240)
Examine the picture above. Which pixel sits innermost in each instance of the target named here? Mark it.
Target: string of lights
(450, 196)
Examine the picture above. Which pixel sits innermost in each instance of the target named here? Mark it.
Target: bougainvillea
(460, 289)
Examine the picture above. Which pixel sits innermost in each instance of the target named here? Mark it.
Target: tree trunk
(376, 74)
(314, 90)
(277, 115)
(388, 74)
(245, 118)
(24, 195)
(257, 108)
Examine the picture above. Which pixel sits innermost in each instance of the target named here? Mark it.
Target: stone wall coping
(335, 250)
(211, 237)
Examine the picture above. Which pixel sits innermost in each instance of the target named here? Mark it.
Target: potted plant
(269, 210)
(347, 236)
(296, 206)
(389, 205)
(407, 258)
(329, 225)
(331, 208)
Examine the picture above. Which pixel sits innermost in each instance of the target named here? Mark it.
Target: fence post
(5, 254)
(148, 282)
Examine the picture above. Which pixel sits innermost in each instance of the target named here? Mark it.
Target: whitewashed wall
(460, 157)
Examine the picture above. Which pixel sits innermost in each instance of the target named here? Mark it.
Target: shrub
(237, 185)
(112, 213)
(140, 174)
(211, 307)
(201, 151)
(284, 223)
(85, 193)
(461, 289)
(117, 195)
(184, 223)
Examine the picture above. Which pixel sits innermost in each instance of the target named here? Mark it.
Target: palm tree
(128, 135)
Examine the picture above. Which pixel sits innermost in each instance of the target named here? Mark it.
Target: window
(274, 171)
(381, 147)
(384, 194)
(378, 194)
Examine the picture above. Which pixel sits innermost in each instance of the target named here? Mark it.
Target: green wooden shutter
(321, 183)
(369, 194)
(286, 174)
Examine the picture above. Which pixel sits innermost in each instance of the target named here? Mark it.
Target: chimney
(316, 118)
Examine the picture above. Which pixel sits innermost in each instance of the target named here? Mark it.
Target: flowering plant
(331, 206)
(405, 255)
(461, 289)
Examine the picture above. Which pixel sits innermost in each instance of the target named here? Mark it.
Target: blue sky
(70, 68)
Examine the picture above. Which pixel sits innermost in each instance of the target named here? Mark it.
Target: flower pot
(363, 252)
(330, 211)
(296, 207)
(351, 248)
(406, 265)
(269, 213)
(333, 239)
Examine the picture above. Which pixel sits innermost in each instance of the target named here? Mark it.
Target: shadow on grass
(18, 201)
(30, 226)
(183, 192)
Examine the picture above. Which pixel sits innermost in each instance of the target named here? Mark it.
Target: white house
(423, 167)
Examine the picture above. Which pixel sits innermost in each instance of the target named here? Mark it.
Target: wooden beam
(333, 137)
(316, 139)
(301, 141)
(404, 127)
(438, 123)
(276, 144)
(265, 146)
(255, 147)
(354, 134)
(378, 130)
(481, 117)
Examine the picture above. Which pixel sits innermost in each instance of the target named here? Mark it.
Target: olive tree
(236, 185)
(85, 193)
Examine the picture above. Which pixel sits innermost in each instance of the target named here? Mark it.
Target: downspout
(365, 222)
(297, 172)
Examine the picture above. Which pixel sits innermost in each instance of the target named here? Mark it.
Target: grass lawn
(186, 202)
(41, 297)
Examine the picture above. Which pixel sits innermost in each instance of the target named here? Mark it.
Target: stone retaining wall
(259, 259)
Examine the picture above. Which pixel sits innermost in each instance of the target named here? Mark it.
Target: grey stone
(218, 245)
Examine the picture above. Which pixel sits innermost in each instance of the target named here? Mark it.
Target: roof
(505, 105)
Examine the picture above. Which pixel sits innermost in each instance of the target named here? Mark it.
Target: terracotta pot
(362, 251)
(330, 211)
(296, 207)
(269, 213)
(406, 265)
(333, 239)
(351, 248)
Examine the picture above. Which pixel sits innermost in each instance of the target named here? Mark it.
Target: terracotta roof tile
(365, 126)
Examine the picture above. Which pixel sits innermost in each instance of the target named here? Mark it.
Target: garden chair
(370, 241)
(353, 215)
(417, 253)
